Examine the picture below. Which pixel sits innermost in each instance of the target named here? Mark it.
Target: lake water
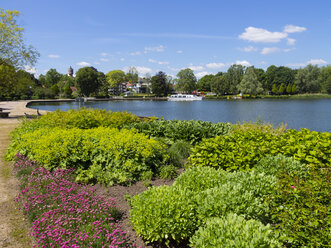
(314, 114)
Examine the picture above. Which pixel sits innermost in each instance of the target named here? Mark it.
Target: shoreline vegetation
(165, 177)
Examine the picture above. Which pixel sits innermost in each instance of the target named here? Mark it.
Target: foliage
(87, 80)
(64, 213)
(52, 77)
(190, 131)
(234, 231)
(160, 84)
(205, 82)
(307, 79)
(132, 75)
(168, 172)
(114, 78)
(300, 208)
(235, 74)
(186, 81)
(249, 84)
(13, 51)
(174, 213)
(179, 152)
(242, 150)
(104, 155)
(220, 84)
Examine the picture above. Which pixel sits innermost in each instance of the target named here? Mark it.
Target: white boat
(184, 97)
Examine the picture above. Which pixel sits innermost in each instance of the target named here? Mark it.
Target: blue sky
(152, 35)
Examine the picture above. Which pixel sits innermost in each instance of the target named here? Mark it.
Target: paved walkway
(18, 109)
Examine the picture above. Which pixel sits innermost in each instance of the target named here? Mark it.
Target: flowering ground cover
(64, 213)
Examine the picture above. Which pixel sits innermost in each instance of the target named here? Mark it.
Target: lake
(314, 114)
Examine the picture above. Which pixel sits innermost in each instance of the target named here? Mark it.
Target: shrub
(82, 119)
(300, 208)
(242, 150)
(190, 131)
(104, 155)
(178, 152)
(168, 172)
(175, 212)
(234, 231)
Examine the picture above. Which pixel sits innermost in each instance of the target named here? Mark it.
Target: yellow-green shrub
(102, 154)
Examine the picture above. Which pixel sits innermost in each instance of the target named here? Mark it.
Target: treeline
(275, 80)
(19, 84)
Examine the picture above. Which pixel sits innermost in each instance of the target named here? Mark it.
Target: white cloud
(201, 74)
(135, 53)
(174, 69)
(83, 63)
(268, 50)
(215, 65)
(158, 49)
(288, 49)
(312, 61)
(163, 63)
(243, 63)
(294, 29)
(152, 60)
(180, 51)
(143, 70)
(317, 62)
(104, 54)
(248, 49)
(104, 60)
(96, 63)
(53, 56)
(196, 67)
(30, 69)
(262, 35)
(290, 41)
(122, 59)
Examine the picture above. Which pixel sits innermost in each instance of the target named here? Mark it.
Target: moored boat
(184, 97)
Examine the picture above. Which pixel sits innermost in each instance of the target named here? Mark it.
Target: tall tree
(307, 79)
(132, 75)
(186, 81)
(114, 78)
(324, 78)
(204, 83)
(235, 73)
(249, 84)
(87, 80)
(13, 50)
(52, 77)
(160, 84)
(220, 84)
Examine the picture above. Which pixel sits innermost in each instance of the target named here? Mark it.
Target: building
(70, 72)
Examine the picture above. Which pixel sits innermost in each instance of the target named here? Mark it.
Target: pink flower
(293, 187)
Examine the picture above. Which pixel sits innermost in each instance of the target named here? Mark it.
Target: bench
(4, 114)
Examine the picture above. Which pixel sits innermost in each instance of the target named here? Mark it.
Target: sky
(207, 36)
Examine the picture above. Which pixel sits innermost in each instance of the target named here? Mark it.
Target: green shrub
(243, 149)
(104, 155)
(277, 165)
(168, 172)
(300, 208)
(190, 131)
(233, 231)
(178, 152)
(163, 214)
(82, 119)
(174, 213)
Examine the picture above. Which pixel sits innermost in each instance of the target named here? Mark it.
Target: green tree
(87, 80)
(235, 73)
(186, 81)
(249, 84)
(160, 84)
(294, 89)
(307, 79)
(289, 89)
(132, 75)
(13, 50)
(324, 78)
(204, 83)
(42, 79)
(114, 78)
(52, 77)
(274, 89)
(220, 84)
(281, 89)
(8, 79)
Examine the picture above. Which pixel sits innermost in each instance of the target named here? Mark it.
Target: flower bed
(64, 213)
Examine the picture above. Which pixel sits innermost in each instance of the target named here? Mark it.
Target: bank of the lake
(314, 114)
